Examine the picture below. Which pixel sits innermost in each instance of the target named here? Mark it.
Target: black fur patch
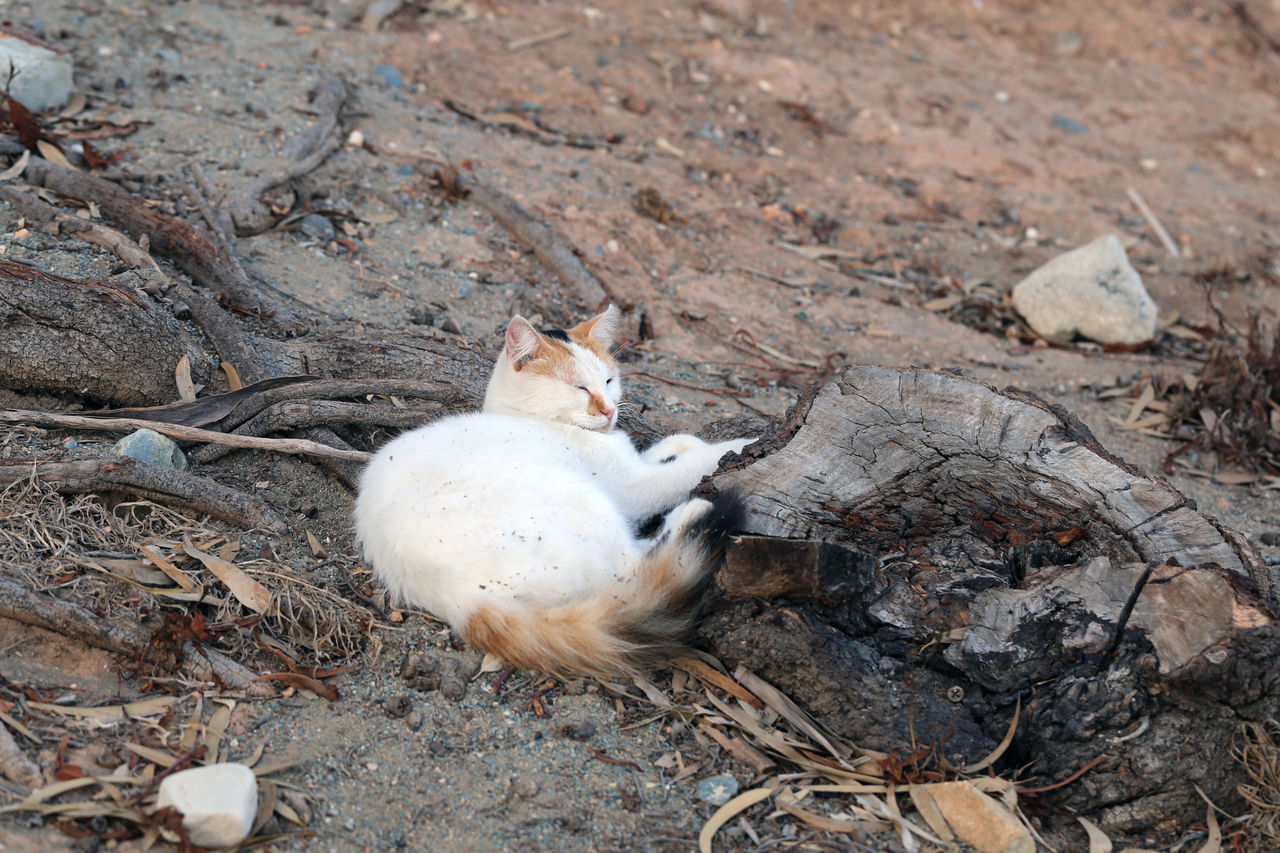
(555, 334)
(727, 514)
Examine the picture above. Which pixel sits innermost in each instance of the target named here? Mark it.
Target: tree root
(153, 482)
(551, 248)
(299, 414)
(191, 250)
(118, 635)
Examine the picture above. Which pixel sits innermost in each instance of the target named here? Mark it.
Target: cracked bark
(923, 550)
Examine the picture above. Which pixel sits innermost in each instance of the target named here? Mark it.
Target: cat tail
(627, 628)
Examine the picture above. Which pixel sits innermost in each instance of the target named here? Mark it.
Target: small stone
(1270, 538)
(584, 730)
(43, 78)
(524, 787)
(451, 326)
(317, 227)
(1069, 125)
(398, 706)
(414, 720)
(717, 790)
(637, 104)
(389, 75)
(1091, 291)
(218, 803)
(149, 446)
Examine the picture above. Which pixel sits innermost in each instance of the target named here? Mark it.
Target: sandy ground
(939, 147)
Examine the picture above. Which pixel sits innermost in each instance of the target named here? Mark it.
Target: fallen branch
(54, 221)
(194, 252)
(278, 445)
(299, 414)
(152, 482)
(551, 248)
(117, 635)
(303, 153)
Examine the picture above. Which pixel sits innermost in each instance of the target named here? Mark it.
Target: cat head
(566, 376)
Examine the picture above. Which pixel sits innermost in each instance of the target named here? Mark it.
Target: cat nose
(608, 410)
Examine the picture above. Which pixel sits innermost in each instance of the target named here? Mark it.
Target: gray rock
(147, 445)
(1091, 291)
(43, 81)
(218, 802)
(317, 227)
(717, 790)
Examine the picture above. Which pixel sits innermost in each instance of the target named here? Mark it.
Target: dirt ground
(937, 148)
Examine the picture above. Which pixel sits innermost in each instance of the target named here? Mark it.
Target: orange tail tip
(608, 635)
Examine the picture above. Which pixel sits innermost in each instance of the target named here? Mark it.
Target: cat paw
(735, 444)
(672, 447)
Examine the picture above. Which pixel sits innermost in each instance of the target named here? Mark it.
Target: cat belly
(453, 517)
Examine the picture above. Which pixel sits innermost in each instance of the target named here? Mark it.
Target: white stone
(1091, 291)
(218, 802)
(43, 81)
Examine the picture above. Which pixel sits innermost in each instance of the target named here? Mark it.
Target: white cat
(517, 524)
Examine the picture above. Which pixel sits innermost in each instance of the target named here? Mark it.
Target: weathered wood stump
(925, 550)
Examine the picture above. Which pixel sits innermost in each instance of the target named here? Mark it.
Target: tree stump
(923, 551)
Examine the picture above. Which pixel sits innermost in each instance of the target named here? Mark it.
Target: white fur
(533, 502)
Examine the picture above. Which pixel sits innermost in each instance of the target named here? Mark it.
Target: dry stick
(279, 445)
(152, 482)
(552, 249)
(304, 151)
(298, 414)
(118, 635)
(194, 252)
(53, 220)
(1154, 221)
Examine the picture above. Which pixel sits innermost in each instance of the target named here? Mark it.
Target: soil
(939, 148)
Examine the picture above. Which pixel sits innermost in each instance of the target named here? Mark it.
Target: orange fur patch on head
(589, 342)
(554, 359)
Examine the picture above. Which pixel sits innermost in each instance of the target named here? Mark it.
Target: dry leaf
(247, 591)
(233, 376)
(53, 154)
(182, 376)
(725, 813)
(1098, 841)
(17, 168)
(1139, 405)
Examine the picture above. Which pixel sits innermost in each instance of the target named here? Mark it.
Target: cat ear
(602, 326)
(523, 342)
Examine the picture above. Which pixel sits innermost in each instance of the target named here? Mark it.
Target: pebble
(1091, 291)
(717, 790)
(398, 706)
(149, 446)
(414, 720)
(584, 730)
(42, 79)
(389, 75)
(317, 227)
(524, 787)
(1069, 125)
(218, 802)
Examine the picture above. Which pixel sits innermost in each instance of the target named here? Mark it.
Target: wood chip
(182, 376)
(710, 675)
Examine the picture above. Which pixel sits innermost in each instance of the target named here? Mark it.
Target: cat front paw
(735, 444)
(673, 446)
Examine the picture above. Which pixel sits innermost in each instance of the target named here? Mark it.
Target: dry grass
(78, 547)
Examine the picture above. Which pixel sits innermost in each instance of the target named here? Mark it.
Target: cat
(517, 525)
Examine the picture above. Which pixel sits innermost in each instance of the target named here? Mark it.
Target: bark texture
(97, 340)
(925, 550)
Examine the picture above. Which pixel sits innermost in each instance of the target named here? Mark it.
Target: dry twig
(278, 445)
